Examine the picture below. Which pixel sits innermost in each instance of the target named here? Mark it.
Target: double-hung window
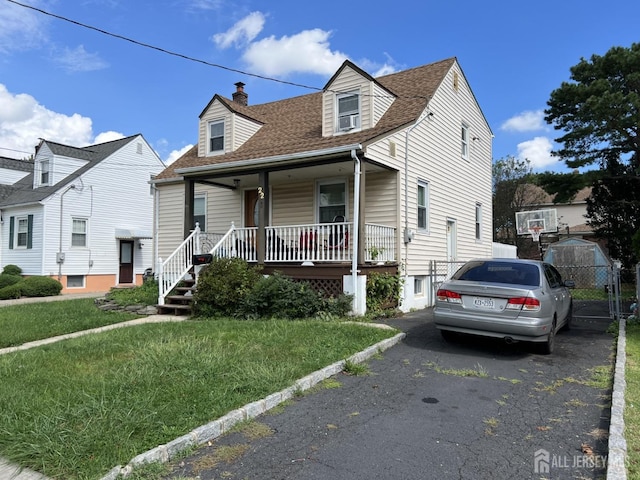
(79, 232)
(21, 232)
(465, 141)
(348, 112)
(478, 221)
(216, 137)
(423, 206)
(44, 172)
(22, 235)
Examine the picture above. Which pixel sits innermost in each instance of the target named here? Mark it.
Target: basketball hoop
(535, 232)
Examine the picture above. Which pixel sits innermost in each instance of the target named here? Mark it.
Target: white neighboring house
(397, 167)
(83, 216)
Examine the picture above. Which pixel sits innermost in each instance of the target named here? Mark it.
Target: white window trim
(478, 222)
(201, 195)
(357, 115)
(41, 172)
(86, 232)
(224, 139)
(464, 139)
(84, 281)
(424, 184)
(16, 244)
(332, 182)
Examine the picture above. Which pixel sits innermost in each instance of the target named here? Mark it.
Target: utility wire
(159, 49)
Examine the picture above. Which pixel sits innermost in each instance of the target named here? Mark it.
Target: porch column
(263, 214)
(361, 217)
(189, 195)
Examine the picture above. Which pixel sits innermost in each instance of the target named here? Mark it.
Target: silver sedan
(517, 300)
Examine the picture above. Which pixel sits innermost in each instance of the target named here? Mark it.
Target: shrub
(383, 291)
(8, 279)
(12, 270)
(40, 286)
(11, 291)
(280, 296)
(222, 285)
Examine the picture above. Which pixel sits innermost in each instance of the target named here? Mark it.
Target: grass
(77, 408)
(35, 321)
(632, 401)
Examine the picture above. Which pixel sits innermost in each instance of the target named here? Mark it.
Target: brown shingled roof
(294, 125)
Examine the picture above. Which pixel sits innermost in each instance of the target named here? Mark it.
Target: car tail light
(448, 296)
(524, 303)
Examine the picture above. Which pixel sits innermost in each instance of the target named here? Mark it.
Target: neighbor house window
(348, 111)
(79, 232)
(418, 286)
(478, 221)
(332, 202)
(465, 141)
(200, 212)
(423, 206)
(21, 232)
(75, 281)
(216, 137)
(44, 172)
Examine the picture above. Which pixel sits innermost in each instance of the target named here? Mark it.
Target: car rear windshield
(500, 272)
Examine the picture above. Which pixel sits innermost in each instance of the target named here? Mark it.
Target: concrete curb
(617, 457)
(214, 429)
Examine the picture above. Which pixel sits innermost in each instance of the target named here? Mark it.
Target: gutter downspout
(59, 258)
(356, 223)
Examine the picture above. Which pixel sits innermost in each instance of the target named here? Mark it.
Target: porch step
(180, 302)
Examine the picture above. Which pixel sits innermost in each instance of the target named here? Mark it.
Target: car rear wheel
(549, 344)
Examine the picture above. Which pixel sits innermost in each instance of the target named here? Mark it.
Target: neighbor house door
(126, 262)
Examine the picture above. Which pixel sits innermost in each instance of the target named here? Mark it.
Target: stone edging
(617, 457)
(214, 429)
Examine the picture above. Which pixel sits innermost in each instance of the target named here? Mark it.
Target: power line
(163, 50)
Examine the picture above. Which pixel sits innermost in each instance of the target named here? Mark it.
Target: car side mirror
(569, 284)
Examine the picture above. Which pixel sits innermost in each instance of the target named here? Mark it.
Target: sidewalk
(56, 298)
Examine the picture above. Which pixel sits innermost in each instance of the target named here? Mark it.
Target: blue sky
(77, 86)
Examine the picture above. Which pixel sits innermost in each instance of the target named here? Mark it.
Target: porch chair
(339, 236)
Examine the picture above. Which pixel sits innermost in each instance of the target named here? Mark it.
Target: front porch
(322, 253)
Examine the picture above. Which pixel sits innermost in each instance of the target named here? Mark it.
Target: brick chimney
(239, 96)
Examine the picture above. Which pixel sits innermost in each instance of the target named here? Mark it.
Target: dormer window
(44, 172)
(348, 112)
(216, 137)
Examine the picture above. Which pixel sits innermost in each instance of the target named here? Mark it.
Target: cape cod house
(83, 216)
(386, 174)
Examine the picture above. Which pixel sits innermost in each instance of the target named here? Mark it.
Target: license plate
(483, 302)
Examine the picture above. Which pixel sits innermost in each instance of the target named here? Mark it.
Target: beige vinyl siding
(216, 112)
(243, 129)
(348, 81)
(381, 198)
(293, 204)
(380, 103)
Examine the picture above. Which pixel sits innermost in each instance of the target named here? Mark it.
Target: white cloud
(538, 152)
(528, 121)
(20, 28)
(242, 33)
(23, 121)
(304, 52)
(193, 5)
(108, 137)
(176, 154)
(79, 60)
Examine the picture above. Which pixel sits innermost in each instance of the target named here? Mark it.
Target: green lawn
(35, 321)
(632, 401)
(77, 408)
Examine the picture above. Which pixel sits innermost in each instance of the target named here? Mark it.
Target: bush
(8, 279)
(40, 286)
(11, 291)
(222, 286)
(383, 291)
(280, 296)
(12, 270)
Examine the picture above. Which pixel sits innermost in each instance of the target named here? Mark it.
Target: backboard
(547, 219)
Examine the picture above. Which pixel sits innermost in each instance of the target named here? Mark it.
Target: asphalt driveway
(435, 410)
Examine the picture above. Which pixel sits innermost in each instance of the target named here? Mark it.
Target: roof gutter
(265, 161)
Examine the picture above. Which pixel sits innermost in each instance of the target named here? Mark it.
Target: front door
(251, 208)
(126, 262)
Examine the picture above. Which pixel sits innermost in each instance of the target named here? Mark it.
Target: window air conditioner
(348, 122)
